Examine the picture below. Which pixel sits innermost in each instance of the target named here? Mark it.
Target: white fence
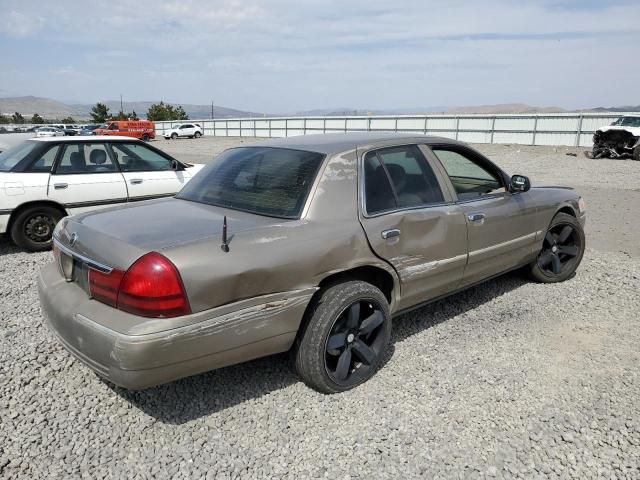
(571, 129)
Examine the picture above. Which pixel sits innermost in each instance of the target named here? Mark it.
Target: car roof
(332, 143)
(75, 138)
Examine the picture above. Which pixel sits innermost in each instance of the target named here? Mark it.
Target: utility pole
(211, 109)
(121, 109)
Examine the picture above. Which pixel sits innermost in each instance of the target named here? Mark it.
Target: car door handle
(476, 217)
(60, 186)
(394, 232)
(135, 181)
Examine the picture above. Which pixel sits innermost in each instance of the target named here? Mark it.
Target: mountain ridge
(54, 109)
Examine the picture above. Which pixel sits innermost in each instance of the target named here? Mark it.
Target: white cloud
(286, 55)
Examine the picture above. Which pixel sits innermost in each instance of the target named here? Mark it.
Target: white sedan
(190, 130)
(45, 179)
(49, 132)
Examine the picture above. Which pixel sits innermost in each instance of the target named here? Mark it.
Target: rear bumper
(150, 353)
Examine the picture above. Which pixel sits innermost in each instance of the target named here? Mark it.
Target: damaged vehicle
(618, 140)
(311, 244)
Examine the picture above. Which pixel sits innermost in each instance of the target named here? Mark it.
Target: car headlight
(582, 205)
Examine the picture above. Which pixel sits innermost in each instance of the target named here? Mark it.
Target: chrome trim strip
(90, 263)
(530, 236)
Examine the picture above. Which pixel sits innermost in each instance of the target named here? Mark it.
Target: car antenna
(225, 245)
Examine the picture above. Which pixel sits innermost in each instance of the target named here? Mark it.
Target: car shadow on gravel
(202, 395)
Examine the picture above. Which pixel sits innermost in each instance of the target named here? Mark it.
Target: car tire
(145, 138)
(345, 337)
(197, 135)
(636, 153)
(174, 136)
(562, 250)
(32, 228)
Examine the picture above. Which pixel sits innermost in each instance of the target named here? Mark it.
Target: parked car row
(307, 243)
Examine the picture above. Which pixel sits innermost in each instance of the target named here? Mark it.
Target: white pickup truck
(45, 179)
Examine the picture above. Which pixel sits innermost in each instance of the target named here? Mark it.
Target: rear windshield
(267, 181)
(10, 158)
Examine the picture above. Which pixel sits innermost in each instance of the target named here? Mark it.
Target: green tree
(159, 112)
(17, 118)
(99, 113)
(180, 114)
(37, 119)
(68, 120)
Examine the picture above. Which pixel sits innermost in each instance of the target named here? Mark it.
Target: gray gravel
(509, 379)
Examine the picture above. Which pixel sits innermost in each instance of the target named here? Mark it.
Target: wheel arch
(376, 275)
(568, 209)
(21, 208)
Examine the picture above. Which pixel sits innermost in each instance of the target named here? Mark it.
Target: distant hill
(27, 106)
(614, 109)
(53, 109)
(504, 108)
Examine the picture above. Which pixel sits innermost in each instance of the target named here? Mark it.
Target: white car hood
(635, 131)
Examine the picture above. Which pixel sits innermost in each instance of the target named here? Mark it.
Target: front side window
(45, 162)
(85, 158)
(399, 177)
(138, 158)
(266, 181)
(470, 179)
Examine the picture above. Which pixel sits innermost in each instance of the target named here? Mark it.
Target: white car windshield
(11, 157)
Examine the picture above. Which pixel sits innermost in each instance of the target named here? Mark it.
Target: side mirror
(175, 165)
(519, 183)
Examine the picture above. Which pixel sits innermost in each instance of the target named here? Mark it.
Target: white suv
(191, 130)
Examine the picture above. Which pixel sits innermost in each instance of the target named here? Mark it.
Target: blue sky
(285, 55)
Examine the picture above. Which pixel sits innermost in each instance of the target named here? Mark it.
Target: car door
(86, 178)
(501, 224)
(148, 173)
(186, 130)
(411, 222)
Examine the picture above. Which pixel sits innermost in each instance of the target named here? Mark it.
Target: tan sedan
(308, 243)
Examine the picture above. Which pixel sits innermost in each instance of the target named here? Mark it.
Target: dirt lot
(509, 379)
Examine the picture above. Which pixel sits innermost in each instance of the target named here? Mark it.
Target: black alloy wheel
(344, 336)
(355, 343)
(562, 250)
(560, 247)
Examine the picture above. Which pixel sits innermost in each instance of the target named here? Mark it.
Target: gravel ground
(508, 379)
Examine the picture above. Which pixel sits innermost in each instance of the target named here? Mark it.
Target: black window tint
(266, 181)
(85, 158)
(413, 179)
(379, 195)
(45, 162)
(139, 158)
(413, 182)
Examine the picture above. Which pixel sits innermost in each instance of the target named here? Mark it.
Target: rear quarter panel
(286, 256)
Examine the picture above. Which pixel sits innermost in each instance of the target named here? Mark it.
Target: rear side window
(10, 158)
(399, 177)
(85, 158)
(44, 164)
(266, 181)
(138, 158)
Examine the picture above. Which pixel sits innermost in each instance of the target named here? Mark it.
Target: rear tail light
(104, 286)
(152, 287)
